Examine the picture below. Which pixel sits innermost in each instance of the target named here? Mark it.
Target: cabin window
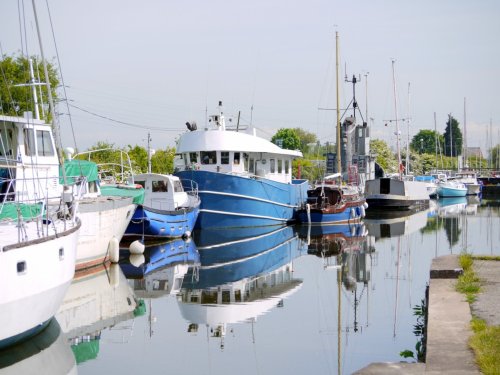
(29, 142)
(224, 157)
(193, 157)
(178, 187)
(160, 186)
(44, 143)
(251, 166)
(226, 297)
(208, 157)
(272, 166)
(142, 183)
(237, 295)
(93, 187)
(236, 158)
(245, 162)
(209, 296)
(280, 166)
(287, 166)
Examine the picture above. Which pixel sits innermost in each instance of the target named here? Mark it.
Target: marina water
(287, 300)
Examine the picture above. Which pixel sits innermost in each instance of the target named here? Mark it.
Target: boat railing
(116, 170)
(190, 187)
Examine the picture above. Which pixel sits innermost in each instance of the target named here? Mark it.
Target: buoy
(136, 247)
(186, 234)
(365, 205)
(114, 250)
(136, 259)
(114, 275)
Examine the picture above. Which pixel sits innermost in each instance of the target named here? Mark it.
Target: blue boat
(168, 210)
(243, 180)
(331, 204)
(451, 188)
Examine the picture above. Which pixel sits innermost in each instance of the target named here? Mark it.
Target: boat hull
(236, 201)
(32, 294)
(103, 219)
(391, 194)
(149, 222)
(450, 192)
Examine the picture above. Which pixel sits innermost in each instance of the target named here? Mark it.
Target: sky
(133, 67)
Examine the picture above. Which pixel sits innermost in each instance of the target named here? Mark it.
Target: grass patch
(468, 283)
(486, 257)
(486, 345)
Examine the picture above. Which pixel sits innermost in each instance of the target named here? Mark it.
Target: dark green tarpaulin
(76, 168)
(124, 191)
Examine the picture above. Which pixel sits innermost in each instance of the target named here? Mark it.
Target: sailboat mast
(339, 157)
(149, 153)
(464, 153)
(398, 149)
(408, 134)
(50, 99)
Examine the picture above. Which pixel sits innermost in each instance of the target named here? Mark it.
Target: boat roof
(146, 176)
(220, 140)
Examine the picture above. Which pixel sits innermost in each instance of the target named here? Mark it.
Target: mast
(408, 134)
(451, 138)
(339, 158)
(464, 153)
(50, 99)
(397, 124)
(436, 140)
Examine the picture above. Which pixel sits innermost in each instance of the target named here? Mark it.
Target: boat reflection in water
(160, 271)
(96, 300)
(244, 273)
(47, 352)
(396, 223)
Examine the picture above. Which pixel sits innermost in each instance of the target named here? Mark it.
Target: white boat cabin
(235, 152)
(162, 192)
(28, 155)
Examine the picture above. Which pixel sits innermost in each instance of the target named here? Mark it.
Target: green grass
(468, 283)
(486, 345)
(486, 339)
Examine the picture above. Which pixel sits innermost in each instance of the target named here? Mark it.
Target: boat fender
(114, 250)
(353, 231)
(114, 275)
(136, 247)
(186, 235)
(137, 259)
(363, 212)
(353, 213)
(365, 205)
(308, 210)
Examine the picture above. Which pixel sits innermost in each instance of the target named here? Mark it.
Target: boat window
(226, 297)
(29, 142)
(44, 143)
(287, 166)
(208, 157)
(280, 166)
(245, 162)
(237, 295)
(6, 143)
(159, 186)
(224, 157)
(142, 183)
(236, 159)
(251, 166)
(93, 187)
(193, 157)
(272, 166)
(178, 187)
(208, 296)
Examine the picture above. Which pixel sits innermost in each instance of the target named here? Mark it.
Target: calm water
(268, 301)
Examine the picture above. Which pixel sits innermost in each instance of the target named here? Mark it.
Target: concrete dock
(449, 316)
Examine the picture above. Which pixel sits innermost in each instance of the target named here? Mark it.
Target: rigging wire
(123, 122)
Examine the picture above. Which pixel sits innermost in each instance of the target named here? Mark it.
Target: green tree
(305, 138)
(14, 70)
(452, 138)
(138, 157)
(424, 142)
(288, 139)
(384, 156)
(163, 161)
(495, 157)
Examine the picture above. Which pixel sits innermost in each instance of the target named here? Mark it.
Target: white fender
(114, 275)
(365, 205)
(137, 259)
(353, 213)
(114, 250)
(136, 247)
(363, 212)
(308, 210)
